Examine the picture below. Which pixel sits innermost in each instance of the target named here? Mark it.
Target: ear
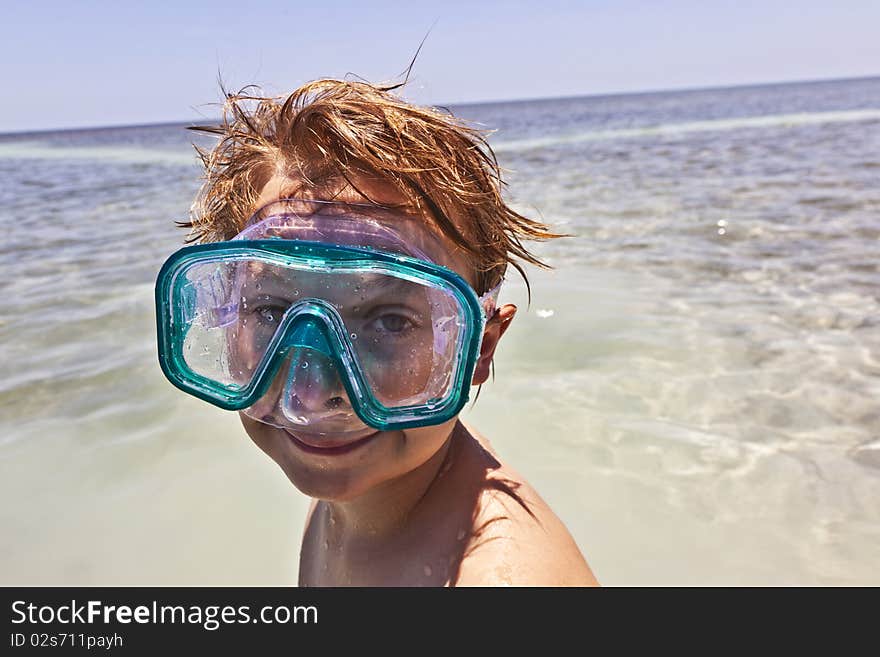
(495, 328)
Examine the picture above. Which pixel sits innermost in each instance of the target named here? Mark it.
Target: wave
(672, 129)
(129, 155)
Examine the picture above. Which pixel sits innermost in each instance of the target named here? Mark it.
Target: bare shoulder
(517, 539)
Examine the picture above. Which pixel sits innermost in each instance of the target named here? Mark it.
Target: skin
(431, 506)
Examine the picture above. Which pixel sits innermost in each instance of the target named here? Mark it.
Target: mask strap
(489, 301)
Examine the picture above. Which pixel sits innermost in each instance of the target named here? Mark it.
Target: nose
(313, 389)
(313, 382)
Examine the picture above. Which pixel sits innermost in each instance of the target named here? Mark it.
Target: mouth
(329, 445)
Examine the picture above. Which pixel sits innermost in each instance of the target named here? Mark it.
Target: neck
(380, 514)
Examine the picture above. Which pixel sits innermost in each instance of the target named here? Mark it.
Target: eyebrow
(373, 285)
(383, 281)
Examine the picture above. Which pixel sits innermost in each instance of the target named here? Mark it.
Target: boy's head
(333, 135)
(353, 142)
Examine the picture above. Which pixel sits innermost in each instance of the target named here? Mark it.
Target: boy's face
(346, 466)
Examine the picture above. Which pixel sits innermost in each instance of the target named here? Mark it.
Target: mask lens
(210, 320)
(403, 334)
(405, 341)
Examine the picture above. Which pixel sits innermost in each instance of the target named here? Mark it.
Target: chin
(339, 473)
(331, 487)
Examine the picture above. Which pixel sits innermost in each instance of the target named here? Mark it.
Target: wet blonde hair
(333, 130)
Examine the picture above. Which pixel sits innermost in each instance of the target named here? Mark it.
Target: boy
(349, 344)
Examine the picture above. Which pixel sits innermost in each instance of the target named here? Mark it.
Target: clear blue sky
(96, 62)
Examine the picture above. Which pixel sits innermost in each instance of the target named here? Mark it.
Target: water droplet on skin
(354, 336)
(296, 293)
(332, 520)
(259, 286)
(305, 366)
(326, 545)
(428, 570)
(461, 534)
(721, 231)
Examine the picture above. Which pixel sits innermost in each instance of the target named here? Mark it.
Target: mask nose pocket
(313, 388)
(308, 332)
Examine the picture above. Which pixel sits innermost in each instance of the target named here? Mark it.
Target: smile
(329, 445)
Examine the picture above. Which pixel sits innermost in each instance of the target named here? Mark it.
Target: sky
(96, 62)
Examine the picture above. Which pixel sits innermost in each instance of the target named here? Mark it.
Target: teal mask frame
(313, 323)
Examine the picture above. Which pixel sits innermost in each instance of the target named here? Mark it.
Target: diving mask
(322, 317)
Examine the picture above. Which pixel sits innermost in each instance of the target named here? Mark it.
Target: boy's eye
(392, 323)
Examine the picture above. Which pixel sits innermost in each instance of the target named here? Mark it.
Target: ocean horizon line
(479, 103)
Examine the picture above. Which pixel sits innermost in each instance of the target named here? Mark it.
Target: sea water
(694, 387)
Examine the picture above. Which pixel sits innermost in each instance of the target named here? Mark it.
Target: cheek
(424, 442)
(399, 371)
(262, 435)
(246, 342)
